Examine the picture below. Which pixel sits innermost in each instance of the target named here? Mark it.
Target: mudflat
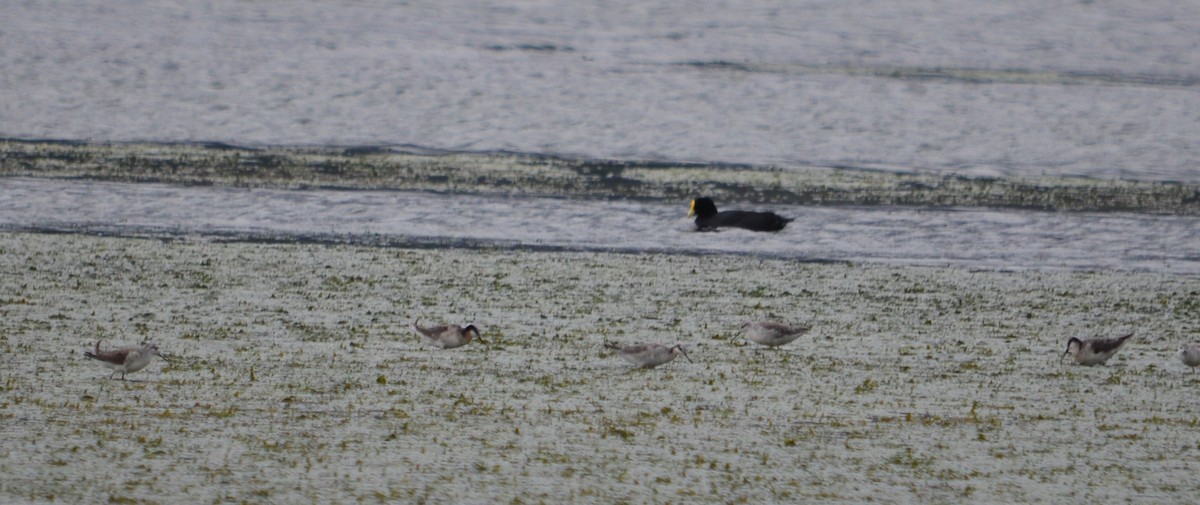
(296, 378)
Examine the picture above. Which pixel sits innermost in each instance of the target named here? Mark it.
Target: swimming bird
(707, 217)
(1094, 351)
(648, 355)
(448, 336)
(126, 359)
(771, 334)
(1189, 354)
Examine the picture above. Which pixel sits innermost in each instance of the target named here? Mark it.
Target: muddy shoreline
(406, 168)
(295, 378)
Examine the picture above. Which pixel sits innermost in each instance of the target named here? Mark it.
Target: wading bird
(1094, 351)
(1189, 354)
(126, 359)
(648, 355)
(448, 336)
(771, 334)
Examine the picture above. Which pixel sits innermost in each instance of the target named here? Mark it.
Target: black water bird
(707, 217)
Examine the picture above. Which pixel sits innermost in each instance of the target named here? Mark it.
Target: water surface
(976, 238)
(1101, 89)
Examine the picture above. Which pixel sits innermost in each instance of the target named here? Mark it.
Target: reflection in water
(991, 239)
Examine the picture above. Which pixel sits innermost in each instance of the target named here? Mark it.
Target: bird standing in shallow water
(772, 334)
(127, 359)
(447, 336)
(1094, 351)
(1189, 354)
(707, 217)
(648, 355)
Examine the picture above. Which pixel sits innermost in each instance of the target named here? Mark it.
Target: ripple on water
(977, 238)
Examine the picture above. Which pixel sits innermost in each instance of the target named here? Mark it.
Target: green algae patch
(518, 174)
(295, 377)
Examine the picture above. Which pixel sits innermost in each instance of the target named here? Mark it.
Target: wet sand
(296, 379)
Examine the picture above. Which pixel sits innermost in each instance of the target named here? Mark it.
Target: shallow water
(1101, 89)
(1023, 90)
(975, 238)
(295, 379)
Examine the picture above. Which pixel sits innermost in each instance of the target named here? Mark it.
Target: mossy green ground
(295, 379)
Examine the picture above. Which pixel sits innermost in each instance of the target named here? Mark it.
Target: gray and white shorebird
(1094, 351)
(648, 355)
(448, 336)
(126, 359)
(1189, 354)
(772, 334)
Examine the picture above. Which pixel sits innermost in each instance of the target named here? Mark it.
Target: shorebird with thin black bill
(772, 334)
(1094, 351)
(1189, 354)
(648, 355)
(448, 336)
(126, 359)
